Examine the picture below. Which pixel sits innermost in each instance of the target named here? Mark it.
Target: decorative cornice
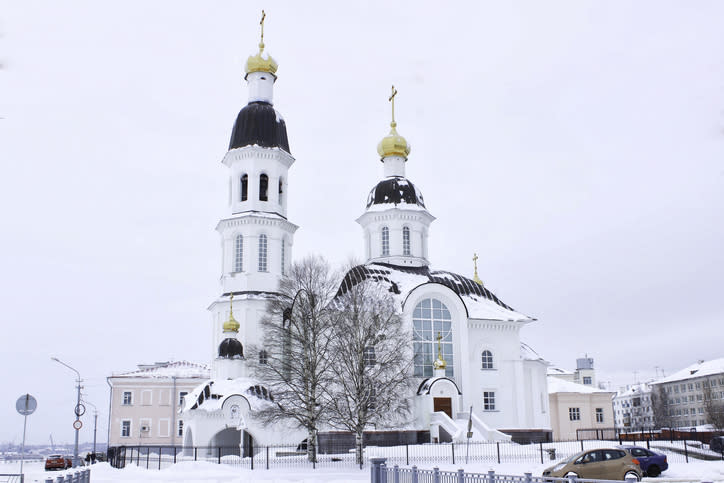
(255, 218)
(258, 152)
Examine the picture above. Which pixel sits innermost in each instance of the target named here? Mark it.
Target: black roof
(231, 348)
(380, 272)
(258, 123)
(395, 190)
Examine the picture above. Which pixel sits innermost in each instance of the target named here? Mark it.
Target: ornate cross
(231, 305)
(392, 100)
(439, 348)
(263, 16)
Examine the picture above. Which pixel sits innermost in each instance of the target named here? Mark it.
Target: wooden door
(443, 404)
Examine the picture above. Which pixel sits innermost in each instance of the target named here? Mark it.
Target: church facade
(470, 366)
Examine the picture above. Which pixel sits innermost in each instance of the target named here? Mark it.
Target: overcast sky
(577, 147)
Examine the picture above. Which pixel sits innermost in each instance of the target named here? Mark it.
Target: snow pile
(556, 384)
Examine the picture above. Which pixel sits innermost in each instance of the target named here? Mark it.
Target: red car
(58, 462)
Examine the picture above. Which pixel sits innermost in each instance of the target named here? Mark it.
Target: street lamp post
(77, 410)
(95, 426)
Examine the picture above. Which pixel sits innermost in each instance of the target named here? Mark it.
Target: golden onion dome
(231, 325)
(261, 62)
(439, 364)
(393, 144)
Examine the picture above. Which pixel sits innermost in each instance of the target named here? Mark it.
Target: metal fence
(330, 456)
(11, 478)
(82, 476)
(381, 473)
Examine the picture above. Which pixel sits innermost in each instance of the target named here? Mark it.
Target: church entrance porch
(443, 404)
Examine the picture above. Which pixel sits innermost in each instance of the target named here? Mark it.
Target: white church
(479, 362)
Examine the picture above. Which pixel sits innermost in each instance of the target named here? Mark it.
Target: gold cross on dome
(231, 304)
(476, 278)
(392, 100)
(261, 22)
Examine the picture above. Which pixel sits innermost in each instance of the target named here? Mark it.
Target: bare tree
(297, 343)
(371, 360)
(713, 407)
(660, 406)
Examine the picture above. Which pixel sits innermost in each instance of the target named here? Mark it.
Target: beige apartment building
(144, 403)
(575, 406)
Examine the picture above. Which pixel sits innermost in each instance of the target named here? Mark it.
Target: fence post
(376, 469)
(540, 445)
(59, 479)
(160, 451)
(396, 474)
(196, 452)
(528, 477)
(218, 454)
(497, 444)
(252, 457)
(267, 457)
(491, 476)
(461, 476)
(407, 454)
(148, 457)
(452, 446)
(414, 474)
(49, 480)
(436, 475)
(686, 451)
(582, 445)
(648, 444)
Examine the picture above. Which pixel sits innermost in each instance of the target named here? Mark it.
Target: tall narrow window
(263, 187)
(263, 357)
(430, 319)
(244, 187)
(284, 270)
(385, 241)
(262, 253)
(370, 357)
(406, 240)
(281, 190)
(488, 400)
(180, 427)
(239, 254)
(125, 428)
(487, 360)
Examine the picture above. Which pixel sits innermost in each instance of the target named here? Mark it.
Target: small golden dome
(439, 363)
(261, 62)
(393, 144)
(231, 325)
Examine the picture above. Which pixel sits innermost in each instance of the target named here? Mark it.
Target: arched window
(430, 318)
(385, 241)
(239, 254)
(487, 360)
(263, 187)
(244, 187)
(284, 261)
(406, 240)
(263, 357)
(262, 253)
(281, 190)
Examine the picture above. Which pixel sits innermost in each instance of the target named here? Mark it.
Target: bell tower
(256, 237)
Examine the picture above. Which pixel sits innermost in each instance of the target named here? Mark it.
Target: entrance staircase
(458, 428)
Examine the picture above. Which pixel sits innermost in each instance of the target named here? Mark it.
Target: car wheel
(570, 474)
(632, 474)
(653, 471)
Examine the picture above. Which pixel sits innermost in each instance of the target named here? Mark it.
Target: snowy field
(191, 472)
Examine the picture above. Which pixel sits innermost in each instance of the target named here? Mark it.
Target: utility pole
(79, 410)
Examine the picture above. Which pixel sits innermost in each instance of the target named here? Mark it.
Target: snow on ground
(193, 472)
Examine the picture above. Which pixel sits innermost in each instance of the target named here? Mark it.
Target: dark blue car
(650, 462)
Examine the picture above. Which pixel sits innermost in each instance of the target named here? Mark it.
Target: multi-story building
(576, 407)
(144, 403)
(633, 409)
(584, 374)
(693, 396)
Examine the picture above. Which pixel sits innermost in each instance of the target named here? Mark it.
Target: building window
(263, 357)
(262, 253)
(127, 398)
(599, 415)
(181, 396)
(488, 401)
(587, 380)
(372, 402)
(284, 262)
(263, 187)
(281, 190)
(239, 254)
(369, 356)
(126, 428)
(430, 318)
(180, 427)
(574, 414)
(406, 240)
(487, 360)
(244, 187)
(385, 241)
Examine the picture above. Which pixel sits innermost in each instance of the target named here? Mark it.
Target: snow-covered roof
(640, 388)
(556, 385)
(210, 395)
(700, 369)
(557, 371)
(180, 369)
(528, 354)
(480, 302)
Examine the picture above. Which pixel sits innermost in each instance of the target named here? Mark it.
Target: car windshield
(54, 456)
